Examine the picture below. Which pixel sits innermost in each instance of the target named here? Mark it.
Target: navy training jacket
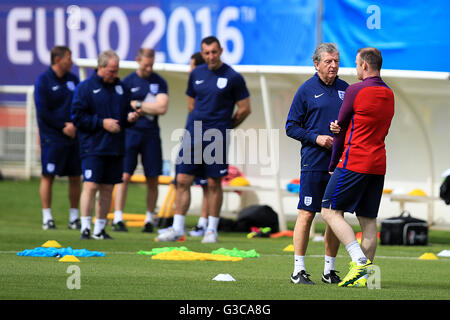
(53, 98)
(314, 106)
(93, 101)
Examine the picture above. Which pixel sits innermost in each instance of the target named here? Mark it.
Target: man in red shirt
(358, 163)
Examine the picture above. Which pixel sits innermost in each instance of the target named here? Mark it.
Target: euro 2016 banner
(412, 35)
(251, 32)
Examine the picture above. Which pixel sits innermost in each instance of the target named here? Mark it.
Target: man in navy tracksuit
(214, 89)
(148, 91)
(101, 110)
(59, 146)
(315, 105)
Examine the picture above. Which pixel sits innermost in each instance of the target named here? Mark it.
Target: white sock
(86, 223)
(299, 264)
(46, 215)
(178, 223)
(202, 222)
(73, 214)
(99, 225)
(356, 253)
(117, 216)
(213, 223)
(329, 264)
(149, 217)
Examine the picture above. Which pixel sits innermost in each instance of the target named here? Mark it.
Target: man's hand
(133, 104)
(325, 141)
(70, 130)
(242, 112)
(191, 103)
(111, 125)
(133, 116)
(334, 127)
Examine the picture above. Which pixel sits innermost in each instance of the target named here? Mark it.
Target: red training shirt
(364, 118)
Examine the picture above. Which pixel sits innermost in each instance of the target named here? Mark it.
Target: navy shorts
(61, 160)
(198, 180)
(312, 188)
(102, 169)
(351, 191)
(149, 147)
(204, 159)
(203, 170)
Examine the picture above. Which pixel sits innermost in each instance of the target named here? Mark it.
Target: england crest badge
(307, 201)
(222, 83)
(119, 89)
(154, 88)
(50, 167)
(88, 173)
(341, 94)
(70, 85)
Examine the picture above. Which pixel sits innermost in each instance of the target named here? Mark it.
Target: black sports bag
(404, 230)
(444, 190)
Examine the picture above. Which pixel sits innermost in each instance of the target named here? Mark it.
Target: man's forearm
(239, 117)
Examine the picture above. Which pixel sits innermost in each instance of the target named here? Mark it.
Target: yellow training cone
(51, 244)
(69, 258)
(428, 256)
(239, 182)
(418, 192)
(289, 248)
(359, 237)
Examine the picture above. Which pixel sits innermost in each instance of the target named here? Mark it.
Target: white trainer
(197, 232)
(169, 235)
(210, 237)
(164, 230)
(160, 231)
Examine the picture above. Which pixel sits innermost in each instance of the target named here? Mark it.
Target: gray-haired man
(315, 105)
(100, 111)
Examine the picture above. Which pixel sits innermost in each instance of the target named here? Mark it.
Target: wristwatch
(138, 105)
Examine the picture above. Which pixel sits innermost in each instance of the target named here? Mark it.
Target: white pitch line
(269, 254)
(376, 257)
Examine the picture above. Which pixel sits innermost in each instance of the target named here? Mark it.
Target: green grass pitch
(124, 275)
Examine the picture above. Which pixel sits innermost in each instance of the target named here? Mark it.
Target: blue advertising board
(251, 31)
(411, 34)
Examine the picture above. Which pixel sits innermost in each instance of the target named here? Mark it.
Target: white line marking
(261, 255)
